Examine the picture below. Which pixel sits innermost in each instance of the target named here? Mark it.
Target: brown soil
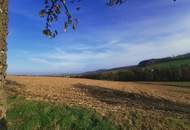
(116, 99)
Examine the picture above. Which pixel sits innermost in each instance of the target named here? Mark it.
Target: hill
(164, 69)
(163, 60)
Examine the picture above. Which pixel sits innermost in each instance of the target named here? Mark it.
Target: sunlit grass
(33, 115)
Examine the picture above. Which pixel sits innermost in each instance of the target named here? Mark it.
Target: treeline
(163, 60)
(167, 73)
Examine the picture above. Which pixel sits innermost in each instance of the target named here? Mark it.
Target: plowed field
(135, 103)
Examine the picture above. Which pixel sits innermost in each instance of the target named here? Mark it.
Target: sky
(106, 37)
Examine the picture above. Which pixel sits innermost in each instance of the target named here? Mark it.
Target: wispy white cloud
(118, 54)
(39, 60)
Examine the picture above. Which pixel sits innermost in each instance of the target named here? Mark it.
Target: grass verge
(33, 115)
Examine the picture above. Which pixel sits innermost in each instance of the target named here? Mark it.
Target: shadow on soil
(117, 97)
(164, 84)
(12, 87)
(13, 83)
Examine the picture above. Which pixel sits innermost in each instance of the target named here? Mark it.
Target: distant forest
(165, 69)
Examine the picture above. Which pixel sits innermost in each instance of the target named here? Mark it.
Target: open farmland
(131, 105)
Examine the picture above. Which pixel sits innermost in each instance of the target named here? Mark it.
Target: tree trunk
(3, 59)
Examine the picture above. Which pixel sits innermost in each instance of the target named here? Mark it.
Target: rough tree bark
(3, 59)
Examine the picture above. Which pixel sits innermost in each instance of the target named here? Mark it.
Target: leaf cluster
(51, 11)
(53, 8)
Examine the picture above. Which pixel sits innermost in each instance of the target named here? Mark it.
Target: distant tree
(185, 70)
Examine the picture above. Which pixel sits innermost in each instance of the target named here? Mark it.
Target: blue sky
(105, 37)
